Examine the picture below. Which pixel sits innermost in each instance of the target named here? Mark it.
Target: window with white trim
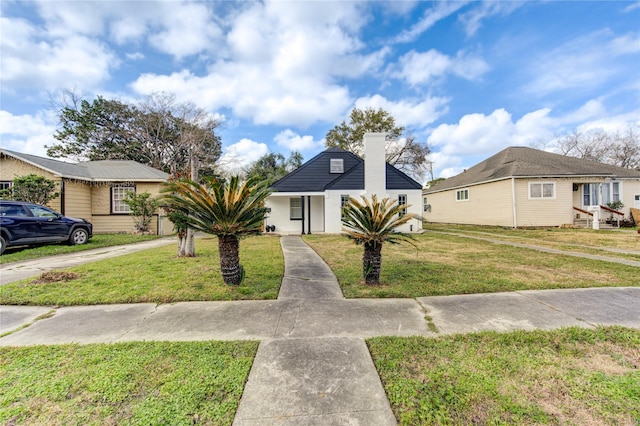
(295, 208)
(462, 194)
(590, 194)
(5, 184)
(402, 200)
(118, 194)
(344, 199)
(610, 192)
(542, 190)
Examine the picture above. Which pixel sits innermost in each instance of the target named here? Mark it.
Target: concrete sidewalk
(312, 365)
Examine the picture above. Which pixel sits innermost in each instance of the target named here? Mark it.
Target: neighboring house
(521, 187)
(310, 198)
(91, 190)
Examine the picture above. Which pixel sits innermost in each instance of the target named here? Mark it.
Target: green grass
(17, 254)
(157, 275)
(569, 376)
(602, 242)
(125, 383)
(444, 265)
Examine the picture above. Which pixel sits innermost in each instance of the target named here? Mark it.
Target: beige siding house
(525, 187)
(91, 190)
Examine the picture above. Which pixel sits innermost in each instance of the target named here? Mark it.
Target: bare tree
(620, 149)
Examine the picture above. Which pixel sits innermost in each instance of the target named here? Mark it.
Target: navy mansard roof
(315, 175)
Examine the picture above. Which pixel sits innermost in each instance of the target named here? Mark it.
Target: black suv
(25, 224)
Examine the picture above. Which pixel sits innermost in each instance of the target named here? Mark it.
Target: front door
(636, 201)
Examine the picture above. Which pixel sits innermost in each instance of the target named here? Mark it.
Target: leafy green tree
(226, 210)
(405, 153)
(371, 223)
(142, 208)
(156, 131)
(32, 189)
(271, 167)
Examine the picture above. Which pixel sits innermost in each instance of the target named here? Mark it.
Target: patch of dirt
(55, 277)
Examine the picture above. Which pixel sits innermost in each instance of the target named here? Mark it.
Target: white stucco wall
(280, 217)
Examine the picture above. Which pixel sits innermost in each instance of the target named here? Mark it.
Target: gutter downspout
(513, 202)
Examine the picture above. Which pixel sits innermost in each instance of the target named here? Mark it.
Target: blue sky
(468, 78)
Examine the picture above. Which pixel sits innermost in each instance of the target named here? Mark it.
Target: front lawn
(157, 275)
(17, 254)
(569, 376)
(441, 264)
(124, 383)
(609, 242)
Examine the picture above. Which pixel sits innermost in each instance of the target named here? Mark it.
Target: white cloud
(440, 11)
(408, 113)
(241, 154)
(188, 28)
(135, 56)
(584, 63)
(421, 68)
(26, 133)
(294, 142)
(31, 60)
(472, 20)
(479, 134)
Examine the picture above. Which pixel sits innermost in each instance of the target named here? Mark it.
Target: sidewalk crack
(139, 323)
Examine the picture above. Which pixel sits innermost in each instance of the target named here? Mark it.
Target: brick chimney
(375, 178)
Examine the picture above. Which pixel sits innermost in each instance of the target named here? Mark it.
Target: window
(344, 199)
(295, 208)
(38, 211)
(462, 194)
(117, 196)
(336, 165)
(590, 194)
(541, 190)
(610, 192)
(402, 200)
(5, 184)
(425, 205)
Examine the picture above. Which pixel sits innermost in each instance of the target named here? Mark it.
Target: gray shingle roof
(105, 170)
(315, 176)
(528, 162)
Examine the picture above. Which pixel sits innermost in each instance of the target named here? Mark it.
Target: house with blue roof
(310, 199)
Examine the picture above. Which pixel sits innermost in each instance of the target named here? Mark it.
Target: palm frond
(374, 222)
(233, 208)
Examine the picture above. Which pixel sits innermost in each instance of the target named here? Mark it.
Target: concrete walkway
(312, 365)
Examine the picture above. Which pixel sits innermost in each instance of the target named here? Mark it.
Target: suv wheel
(79, 236)
(3, 244)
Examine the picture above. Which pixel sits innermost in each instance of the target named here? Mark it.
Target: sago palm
(226, 210)
(372, 223)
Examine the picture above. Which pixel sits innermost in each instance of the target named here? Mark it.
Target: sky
(469, 78)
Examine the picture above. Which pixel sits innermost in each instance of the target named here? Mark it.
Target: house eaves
(523, 162)
(93, 171)
(429, 191)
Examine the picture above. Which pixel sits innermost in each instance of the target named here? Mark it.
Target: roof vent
(336, 165)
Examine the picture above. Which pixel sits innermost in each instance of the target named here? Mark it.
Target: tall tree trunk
(190, 243)
(229, 248)
(371, 263)
(181, 243)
